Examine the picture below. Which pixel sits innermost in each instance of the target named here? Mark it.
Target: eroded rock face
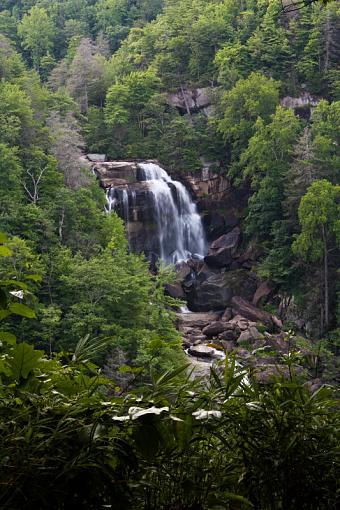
(243, 307)
(217, 290)
(115, 173)
(196, 320)
(190, 100)
(222, 250)
(302, 105)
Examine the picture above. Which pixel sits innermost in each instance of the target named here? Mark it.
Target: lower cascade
(173, 216)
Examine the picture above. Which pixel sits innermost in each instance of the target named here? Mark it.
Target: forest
(99, 407)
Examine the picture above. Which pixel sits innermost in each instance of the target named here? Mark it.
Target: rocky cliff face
(122, 178)
(222, 292)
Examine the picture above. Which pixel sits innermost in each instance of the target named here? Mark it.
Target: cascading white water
(180, 229)
(115, 196)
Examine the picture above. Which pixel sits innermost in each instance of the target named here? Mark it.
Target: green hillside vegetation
(87, 331)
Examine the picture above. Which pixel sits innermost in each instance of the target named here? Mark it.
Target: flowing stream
(180, 232)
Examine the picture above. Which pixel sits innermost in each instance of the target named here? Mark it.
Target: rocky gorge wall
(222, 292)
(205, 283)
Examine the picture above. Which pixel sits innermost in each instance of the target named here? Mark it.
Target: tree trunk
(325, 270)
(185, 101)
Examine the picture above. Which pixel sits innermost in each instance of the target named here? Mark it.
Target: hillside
(169, 208)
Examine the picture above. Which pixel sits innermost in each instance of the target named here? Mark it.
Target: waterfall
(180, 229)
(118, 198)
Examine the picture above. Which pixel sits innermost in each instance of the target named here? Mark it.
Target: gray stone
(245, 336)
(196, 320)
(228, 314)
(201, 351)
(263, 291)
(228, 345)
(175, 290)
(190, 100)
(246, 309)
(222, 250)
(96, 157)
(228, 335)
(216, 292)
(255, 334)
(214, 329)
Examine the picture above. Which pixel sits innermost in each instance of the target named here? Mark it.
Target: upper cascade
(173, 221)
(180, 229)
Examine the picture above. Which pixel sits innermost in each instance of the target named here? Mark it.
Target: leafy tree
(37, 33)
(86, 77)
(10, 182)
(253, 97)
(269, 46)
(320, 229)
(11, 63)
(22, 264)
(16, 114)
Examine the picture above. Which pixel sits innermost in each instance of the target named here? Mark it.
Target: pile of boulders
(253, 335)
(236, 325)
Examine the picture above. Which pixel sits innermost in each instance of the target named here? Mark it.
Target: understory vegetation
(71, 438)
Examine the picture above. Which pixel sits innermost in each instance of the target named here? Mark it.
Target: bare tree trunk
(325, 270)
(61, 224)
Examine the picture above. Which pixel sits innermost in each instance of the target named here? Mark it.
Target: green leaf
(24, 360)
(34, 277)
(3, 238)
(4, 314)
(241, 499)
(156, 343)
(5, 252)
(23, 310)
(14, 283)
(7, 338)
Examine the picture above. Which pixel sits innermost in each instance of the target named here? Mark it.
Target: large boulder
(216, 292)
(183, 271)
(228, 314)
(262, 292)
(222, 250)
(213, 294)
(202, 351)
(190, 100)
(244, 308)
(214, 329)
(175, 290)
(196, 320)
(229, 335)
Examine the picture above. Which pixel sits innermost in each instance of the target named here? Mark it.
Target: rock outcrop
(189, 101)
(244, 308)
(222, 250)
(214, 291)
(302, 105)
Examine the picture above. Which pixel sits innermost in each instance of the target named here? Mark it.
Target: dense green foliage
(68, 439)
(98, 78)
(87, 75)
